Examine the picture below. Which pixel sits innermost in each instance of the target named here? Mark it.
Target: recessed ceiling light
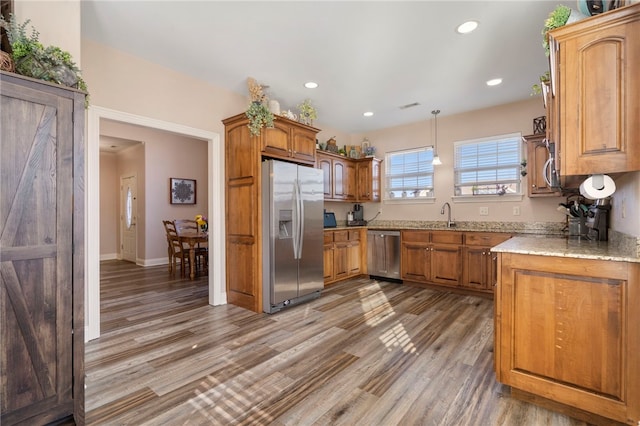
(368, 114)
(494, 82)
(311, 85)
(467, 27)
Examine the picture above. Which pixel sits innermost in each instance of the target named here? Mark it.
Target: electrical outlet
(516, 210)
(484, 211)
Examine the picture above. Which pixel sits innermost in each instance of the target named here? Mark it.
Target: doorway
(215, 155)
(128, 218)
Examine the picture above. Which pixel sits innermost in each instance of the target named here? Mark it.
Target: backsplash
(546, 228)
(624, 242)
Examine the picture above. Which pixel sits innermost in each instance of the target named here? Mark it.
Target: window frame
(430, 198)
(515, 137)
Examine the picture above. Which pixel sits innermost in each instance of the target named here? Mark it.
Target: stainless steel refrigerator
(292, 226)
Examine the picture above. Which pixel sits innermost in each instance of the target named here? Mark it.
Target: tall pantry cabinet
(41, 252)
(287, 140)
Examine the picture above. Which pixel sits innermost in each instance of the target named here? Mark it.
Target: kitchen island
(567, 326)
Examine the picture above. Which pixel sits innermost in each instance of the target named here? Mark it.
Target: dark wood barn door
(36, 254)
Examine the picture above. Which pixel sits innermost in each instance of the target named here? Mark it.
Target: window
(409, 174)
(488, 166)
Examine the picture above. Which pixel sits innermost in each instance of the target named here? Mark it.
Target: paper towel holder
(597, 186)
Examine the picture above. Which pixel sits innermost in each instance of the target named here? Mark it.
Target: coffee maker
(597, 220)
(356, 218)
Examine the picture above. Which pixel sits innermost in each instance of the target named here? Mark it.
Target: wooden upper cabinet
(537, 155)
(346, 179)
(368, 174)
(595, 65)
(303, 143)
(289, 140)
(326, 166)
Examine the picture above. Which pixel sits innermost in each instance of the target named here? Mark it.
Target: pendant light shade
(436, 158)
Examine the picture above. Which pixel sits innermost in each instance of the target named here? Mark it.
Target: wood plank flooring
(365, 353)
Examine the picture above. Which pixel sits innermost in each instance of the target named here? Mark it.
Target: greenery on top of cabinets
(33, 59)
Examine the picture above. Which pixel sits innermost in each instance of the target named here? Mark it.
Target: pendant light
(436, 157)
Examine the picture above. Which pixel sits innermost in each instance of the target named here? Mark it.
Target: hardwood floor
(366, 353)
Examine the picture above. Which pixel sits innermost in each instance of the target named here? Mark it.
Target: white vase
(274, 107)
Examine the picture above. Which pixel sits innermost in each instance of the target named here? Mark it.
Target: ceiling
(365, 55)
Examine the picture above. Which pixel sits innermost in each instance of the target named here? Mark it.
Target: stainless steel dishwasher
(383, 254)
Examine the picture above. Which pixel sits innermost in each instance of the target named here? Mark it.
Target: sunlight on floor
(378, 308)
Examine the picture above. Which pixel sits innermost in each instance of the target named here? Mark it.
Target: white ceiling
(365, 55)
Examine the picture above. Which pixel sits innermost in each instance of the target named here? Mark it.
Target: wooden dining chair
(202, 250)
(175, 249)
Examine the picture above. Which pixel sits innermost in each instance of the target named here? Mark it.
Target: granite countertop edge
(573, 247)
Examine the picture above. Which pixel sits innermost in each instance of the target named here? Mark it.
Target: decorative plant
(32, 59)
(369, 150)
(536, 89)
(258, 113)
(307, 112)
(556, 19)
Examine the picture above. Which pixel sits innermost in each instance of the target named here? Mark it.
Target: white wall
(109, 202)
(625, 206)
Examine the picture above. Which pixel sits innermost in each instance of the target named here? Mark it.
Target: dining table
(192, 239)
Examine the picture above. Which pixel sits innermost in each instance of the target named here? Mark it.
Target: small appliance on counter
(356, 217)
(597, 220)
(329, 220)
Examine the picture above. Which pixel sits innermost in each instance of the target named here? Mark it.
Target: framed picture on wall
(182, 191)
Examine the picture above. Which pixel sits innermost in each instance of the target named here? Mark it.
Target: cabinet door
(324, 164)
(275, 141)
(354, 258)
(339, 179)
(416, 262)
(41, 217)
(328, 262)
(350, 184)
(476, 263)
(446, 264)
(562, 333)
(363, 172)
(537, 155)
(340, 260)
(598, 64)
(303, 145)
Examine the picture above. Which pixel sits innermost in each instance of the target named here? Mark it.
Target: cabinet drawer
(354, 235)
(485, 239)
(328, 237)
(340, 236)
(416, 236)
(446, 237)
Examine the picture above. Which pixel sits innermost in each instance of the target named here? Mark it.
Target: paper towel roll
(597, 187)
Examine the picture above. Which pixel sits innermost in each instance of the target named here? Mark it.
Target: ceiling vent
(409, 105)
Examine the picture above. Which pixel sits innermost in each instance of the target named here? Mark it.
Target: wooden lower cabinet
(450, 258)
(479, 271)
(343, 254)
(446, 257)
(568, 330)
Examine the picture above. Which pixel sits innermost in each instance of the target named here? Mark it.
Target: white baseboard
(109, 256)
(153, 262)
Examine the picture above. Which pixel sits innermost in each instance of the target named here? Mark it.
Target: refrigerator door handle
(296, 220)
(301, 220)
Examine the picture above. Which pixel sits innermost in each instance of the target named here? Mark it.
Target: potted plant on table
(258, 113)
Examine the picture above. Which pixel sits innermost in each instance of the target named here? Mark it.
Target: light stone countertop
(573, 247)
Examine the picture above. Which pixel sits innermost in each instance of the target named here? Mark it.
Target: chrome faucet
(450, 224)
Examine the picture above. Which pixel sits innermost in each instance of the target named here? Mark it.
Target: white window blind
(488, 166)
(409, 174)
